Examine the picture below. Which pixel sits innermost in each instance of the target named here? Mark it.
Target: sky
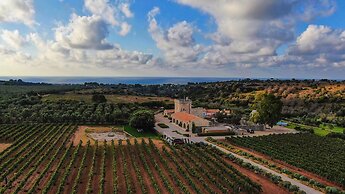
(176, 38)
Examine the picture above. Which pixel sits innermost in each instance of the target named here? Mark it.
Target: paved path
(172, 127)
(305, 188)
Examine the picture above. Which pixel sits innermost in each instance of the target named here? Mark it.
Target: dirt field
(110, 98)
(4, 146)
(81, 133)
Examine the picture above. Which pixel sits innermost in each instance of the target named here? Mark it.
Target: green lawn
(135, 133)
(338, 129)
(321, 131)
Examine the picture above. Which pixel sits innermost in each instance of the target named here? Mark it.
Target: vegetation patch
(162, 125)
(306, 151)
(135, 133)
(217, 134)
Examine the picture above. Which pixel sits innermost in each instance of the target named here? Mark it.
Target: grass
(338, 129)
(135, 133)
(321, 131)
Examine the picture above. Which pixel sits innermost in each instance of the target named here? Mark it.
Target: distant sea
(117, 80)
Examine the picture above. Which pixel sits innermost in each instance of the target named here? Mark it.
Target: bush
(286, 184)
(98, 98)
(293, 188)
(217, 134)
(332, 190)
(162, 125)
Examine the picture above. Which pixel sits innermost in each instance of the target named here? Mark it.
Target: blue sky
(243, 38)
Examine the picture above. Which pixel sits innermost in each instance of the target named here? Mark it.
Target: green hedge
(217, 134)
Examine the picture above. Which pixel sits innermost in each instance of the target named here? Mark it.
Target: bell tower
(183, 105)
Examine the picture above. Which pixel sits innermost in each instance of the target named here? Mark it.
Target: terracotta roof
(182, 116)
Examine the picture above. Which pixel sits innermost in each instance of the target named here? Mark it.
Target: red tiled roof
(182, 116)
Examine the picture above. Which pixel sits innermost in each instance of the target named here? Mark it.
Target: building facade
(188, 121)
(183, 105)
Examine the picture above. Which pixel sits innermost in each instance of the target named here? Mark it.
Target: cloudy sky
(216, 38)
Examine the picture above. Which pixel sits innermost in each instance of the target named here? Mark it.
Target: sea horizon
(128, 79)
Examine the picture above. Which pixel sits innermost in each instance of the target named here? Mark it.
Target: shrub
(286, 184)
(293, 188)
(332, 190)
(162, 125)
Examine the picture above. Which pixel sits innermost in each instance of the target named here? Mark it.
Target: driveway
(171, 131)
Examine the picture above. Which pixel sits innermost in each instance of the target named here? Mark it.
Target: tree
(142, 119)
(269, 108)
(98, 98)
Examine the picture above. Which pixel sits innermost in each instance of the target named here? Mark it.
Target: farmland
(321, 155)
(43, 159)
(110, 98)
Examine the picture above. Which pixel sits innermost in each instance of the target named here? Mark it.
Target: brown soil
(61, 171)
(120, 177)
(155, 174)
(4, 146)
(146, 177)
(80, 135)
(74, 171)
(109, 173)
(203, 168)
(267, 186)
(287, 166)
(41, 166)
(180, 177)
(97, 170)
(159, 144)
(84, 177)
(46, 178)
(166, 174)
(133, 175)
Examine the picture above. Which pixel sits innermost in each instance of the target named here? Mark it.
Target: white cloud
(177, 42)
(251, 31)
(84, 32)
(104, 9)
(19, 11)
(320, 46)
(319, 39)
(57, 52)
(125, 29)
(13, 38)
(112, 13)
(124, 7)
